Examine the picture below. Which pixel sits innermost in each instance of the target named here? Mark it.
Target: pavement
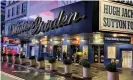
(30, 73)
(98, 71)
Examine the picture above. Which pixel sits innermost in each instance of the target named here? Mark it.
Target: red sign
(132, 40)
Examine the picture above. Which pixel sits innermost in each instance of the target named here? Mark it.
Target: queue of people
(74, 57)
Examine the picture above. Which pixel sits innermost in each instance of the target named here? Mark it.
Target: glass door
(127, 59)
(98, 53)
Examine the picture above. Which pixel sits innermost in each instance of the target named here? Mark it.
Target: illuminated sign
(119, 39)
(97, 38)
(34, 41)
(115, 17)
(34, 27)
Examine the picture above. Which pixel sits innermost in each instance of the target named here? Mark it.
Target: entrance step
(98, 66)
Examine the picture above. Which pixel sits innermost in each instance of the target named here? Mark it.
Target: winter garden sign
(37, 26)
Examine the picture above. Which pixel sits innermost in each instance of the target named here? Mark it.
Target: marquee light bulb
(62, 39)
(114, 35)
(45, 45)
(77, 38)
(50, 39)
(41, 40)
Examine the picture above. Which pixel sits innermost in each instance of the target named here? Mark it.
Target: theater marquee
(115, 17)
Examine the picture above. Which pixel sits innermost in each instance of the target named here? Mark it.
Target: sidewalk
(76, 69)
(98, 71)
(126, 74)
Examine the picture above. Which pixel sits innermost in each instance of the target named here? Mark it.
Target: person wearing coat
(64, 55)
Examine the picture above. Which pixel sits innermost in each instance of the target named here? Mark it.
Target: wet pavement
(30, 73)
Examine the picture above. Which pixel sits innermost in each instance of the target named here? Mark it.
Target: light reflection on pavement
(29, 74)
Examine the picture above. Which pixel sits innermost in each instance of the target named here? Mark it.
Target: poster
(44, 49)
(85, 50)
(111, 52)
(64, 48)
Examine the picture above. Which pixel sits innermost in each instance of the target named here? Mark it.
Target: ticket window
(98, 54)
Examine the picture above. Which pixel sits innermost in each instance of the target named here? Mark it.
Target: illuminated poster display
(34, 51)
(44, 49)
(64, 48)
(85, 50)
(111, 52)
(98, 38)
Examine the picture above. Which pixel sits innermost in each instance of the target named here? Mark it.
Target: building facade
(15, 10)
(83, 28)
(18, 12)
(3, 4)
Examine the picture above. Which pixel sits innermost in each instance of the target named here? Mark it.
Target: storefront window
(98, 53)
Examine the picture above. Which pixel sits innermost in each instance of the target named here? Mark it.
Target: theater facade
(103, 30)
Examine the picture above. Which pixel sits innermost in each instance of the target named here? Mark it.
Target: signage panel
(115, 17)
(97, 38)
(117, 39)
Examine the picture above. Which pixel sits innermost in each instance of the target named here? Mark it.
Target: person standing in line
(64, 55)
(77, 58)
(72, 58)
(68, 55)
(58, 55)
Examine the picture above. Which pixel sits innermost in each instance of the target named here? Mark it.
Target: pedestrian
(73, 58)
(58, 55)
(64, 55)
(77, 58)
(69, 56)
